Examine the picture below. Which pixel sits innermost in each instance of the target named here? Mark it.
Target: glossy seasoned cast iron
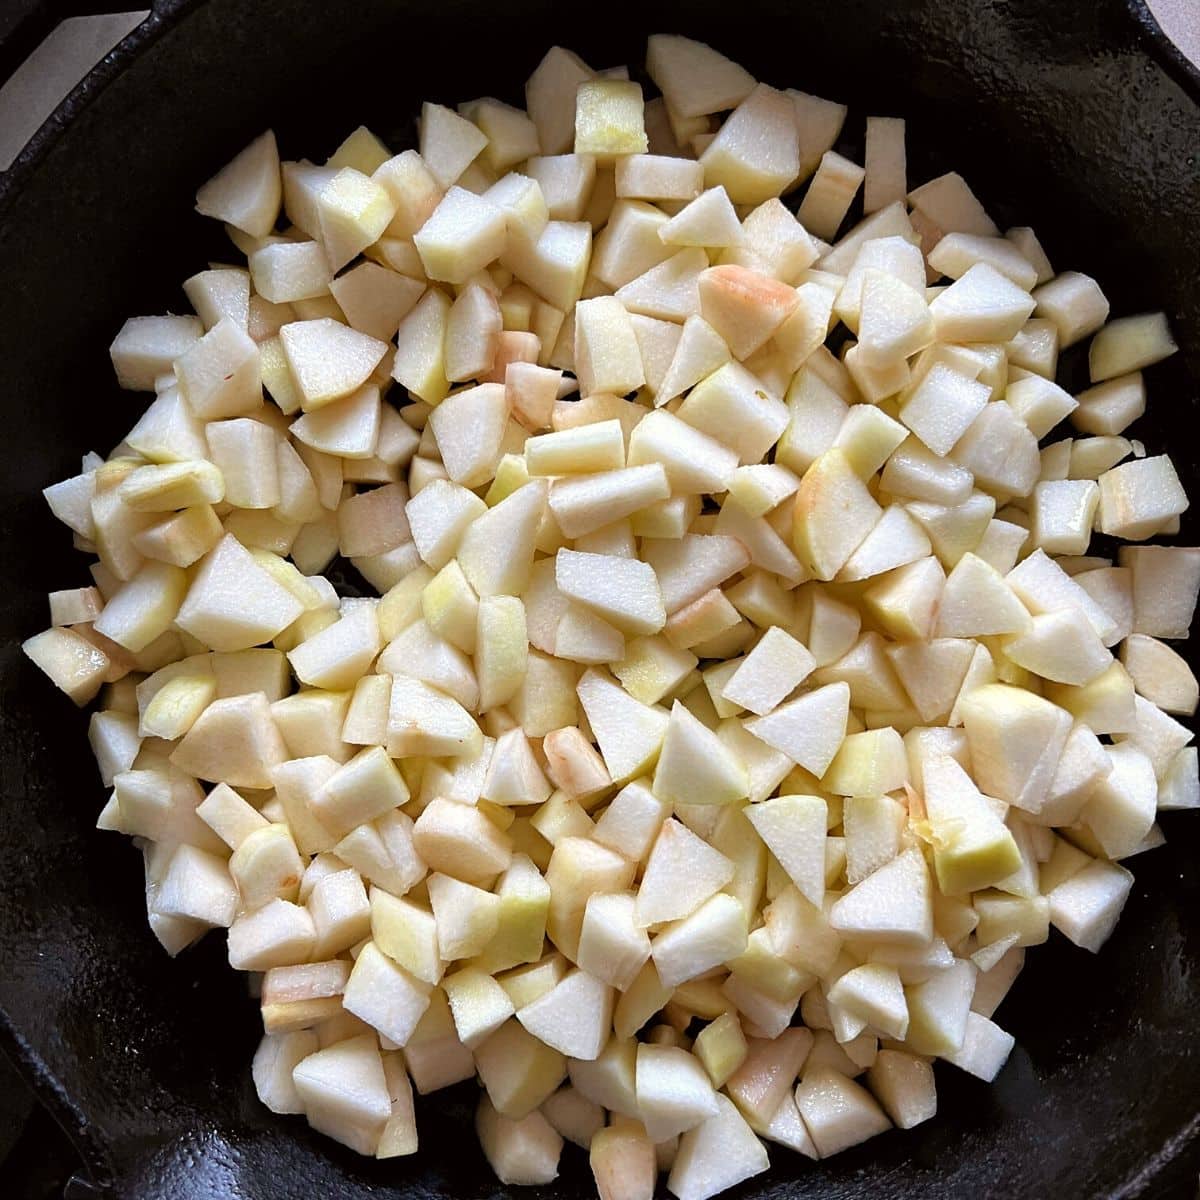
(1065, 115)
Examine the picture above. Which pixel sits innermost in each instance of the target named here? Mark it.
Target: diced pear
(938, 1010)
(519, 1152)
(756, 153)
(670, 291)
(904, 1085)
(576, 1117)
(731, 406)
(496, 551)
(1120, 808)
(352, 211)
(376, 299)
(599, 446)
(526, 214)
(631, 821)
(518, 1071)
(744, 307)
(693, 461)
(981, 306)
(715, 933)
(461, 236)
(893, 904)
(830, 194)
(418, 652)
(769, 673)
(609, 119)
(719, 1153)
(837, 1112)
(612, 947)
(949, 202)
(147, 347)
(555, 265)
(502, 649)
(384, 995)
(578, 868)
(451, 608)
(834, 512)
(1106, 705)
(673, 1091)
(977, 601)
(1129, 344)
(694, 767)
(972, 849)
(895, 322)
(872, 827)
(532, 390)
(793, 828)
(809, 729)
(985, 1048)
(460, 841)
(340, 912)
(1159, 674)
(574, 1017)
(469, 427)
(708, 220)
(344, 1092)
(870, 763)
(328, 360)
(607, 358)
(623, 1163)
(420, 362)
(874, 993)
(1016, 739)
(276, 935)
(448, 143)
(1043, 586)
(274, 1061)
(234, 740)
(1165, 581)
(624, 592)
(399, 1135)
(1137, 497)
(1085, 907)
(583, 505)
(513, 775)
(338, 655)
(465, 921)
(246, 192)
(695, 78)
(1039, 402)
(1061, 646)
(1075, 303)
(407, 934)
(721, 1047)
(682, 872)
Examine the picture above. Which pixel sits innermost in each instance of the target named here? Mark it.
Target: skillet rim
(1144, 33)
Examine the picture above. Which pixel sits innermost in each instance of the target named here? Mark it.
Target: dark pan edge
(163, 14)
(1164, 51)
(1151, 38)
(55, 1098)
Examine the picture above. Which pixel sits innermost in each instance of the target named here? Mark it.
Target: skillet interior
(1056, 116)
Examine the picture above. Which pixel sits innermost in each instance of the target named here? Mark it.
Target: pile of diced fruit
(732, 714)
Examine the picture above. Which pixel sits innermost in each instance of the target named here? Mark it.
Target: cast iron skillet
(1073, 116)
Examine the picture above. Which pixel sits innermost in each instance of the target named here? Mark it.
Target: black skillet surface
(1066, 115)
